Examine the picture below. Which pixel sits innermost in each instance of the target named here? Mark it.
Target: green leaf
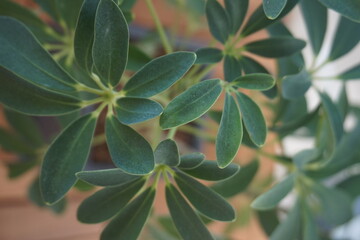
(185, 219)
(84, 34)
(131, 220)
(315, 16)
(128, 149)
(346, 38)
(68, 11)
(217, 20)
(251, 66)
(134, 110)
(239, 182)
(310, 231)
(107, 202)
(190, 161)
(66, 156)
(10, 142)
(351, 186)
(349, 8)
(295, 86)
(19, 168)
(236, 10)
(50, 7)
(253, 119)
(255, 81)
(232, 68)
(27, 98)
(268, 220)
(111, 42)
(204, 199)
(258, 20)
(333, 116)
(275, 47)
(208, 55)
(82, 186)
(167, 153)
(353, 73)
(342, 103)
(106, 177)
(273, 8)
(208, 170)
(137, 58)
(167, 224)
(23, 55)
(191, 104)
(159, 74)
(271, 198)
(230, 133)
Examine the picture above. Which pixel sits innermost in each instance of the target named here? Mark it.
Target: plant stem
(172, 133)
(159, 27)
(98, 140)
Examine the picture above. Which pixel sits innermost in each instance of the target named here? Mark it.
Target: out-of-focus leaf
(349, 8)
(273, 8)
(137, 58)
(218, 20)
(295, 86)
(268, 220)
(351, 74)
(236, 11)
(19, 168)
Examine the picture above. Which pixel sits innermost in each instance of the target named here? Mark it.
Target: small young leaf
(191, 104)
(128, 149)
(230, 133)
(349, 8)
(159, 74)
(208, 170)
(273, 8)
(66, 156)
(134, 110)
(111, 42)
(236, 10)
(131, 220)
(237, 183)
(255, 81)
(253, 119)
(353, 73)
(204, 199)
(107, 177)
(276, 47)
(346, 38)
(167, 153)
(315, 16)
(295, 86)
(232, 68)
(272, 197)
(107, 202)
(208, 55)
(185, 219)
(190, 161)
(217, 20)
(27, 98)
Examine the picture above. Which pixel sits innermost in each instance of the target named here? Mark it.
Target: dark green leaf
(191, 104)
(208, 55)
(84, 34)
(295, 86)
(131, 220)
(239, 182)
(192, 160)
(251, 66)
(276, 47)
(204, 199)
(167, 153)
(111, 42)
(315, 16)
(343, 103)
(50, 7)
(258, 19)
(232, 68)
(247, 140)
(215, 115)
(271, 198)
(27, 98)
(236, 10)
(217, 20)
(66, 156)
(134, 110)
(107, 177)
(351, 186)
(346, 38)
(23, 55)
(11, 142)
(159, 74)
(353, 73)
(333, 116)
(253, 119)
(273, 8)
(268, 220)
(310, 231)
(185, 219)
(19, 168)
(127, 5)
(230, 133)
(137, 58)
(107, 202)
(255, 81)
(68, 11)
(168, 224)
(349, 8)
(128, 149)
(208, 170)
